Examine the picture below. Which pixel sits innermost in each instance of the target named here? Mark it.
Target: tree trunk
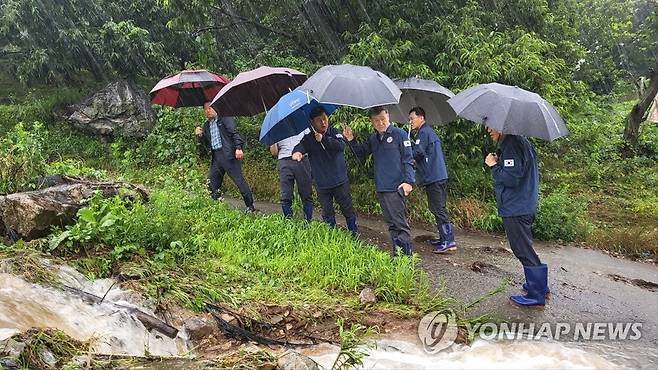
(639, 112)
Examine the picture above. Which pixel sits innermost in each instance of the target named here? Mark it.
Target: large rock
(32, 214)
(121, 109)
(292, 360)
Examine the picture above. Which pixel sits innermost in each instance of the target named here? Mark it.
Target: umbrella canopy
(354, 86)
(509, 110)
(190, 88)
(427, 94)
(256, 91)
(290, 116)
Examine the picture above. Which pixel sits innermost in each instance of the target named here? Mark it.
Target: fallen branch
(149, 321)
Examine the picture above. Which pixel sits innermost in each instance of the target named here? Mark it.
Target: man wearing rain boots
(325, 147)
(394, 173)
(291, 172)
(432, 175)
(516, 184)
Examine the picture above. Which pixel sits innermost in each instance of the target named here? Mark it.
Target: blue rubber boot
(437, 241)
(308, 211)
(537, 279)
(406, 248)
(547, 294)
(331, 221)
(287, 210)
(448, 244)
(351, 225)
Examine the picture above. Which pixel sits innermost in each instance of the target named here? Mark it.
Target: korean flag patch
(339, 136)
(417, 141)
(389, 140)
(407, 143)
(508, 163)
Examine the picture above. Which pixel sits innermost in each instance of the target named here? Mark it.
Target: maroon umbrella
(189, 88)
(255, 91)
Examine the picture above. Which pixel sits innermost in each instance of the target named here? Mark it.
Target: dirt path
(587, 285)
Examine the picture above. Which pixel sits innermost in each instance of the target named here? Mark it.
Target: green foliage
(23, 158)
(172, 140)
(560, 216)
(261, 255)
(351, 354)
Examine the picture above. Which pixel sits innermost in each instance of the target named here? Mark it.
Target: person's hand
(407, 188)
(198, 131)
(239, 154)
(318, 137)
(491, 159)
(347, 133)
(297, 156)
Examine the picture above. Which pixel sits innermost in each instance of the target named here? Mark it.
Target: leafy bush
(22, 158)
(560, 216)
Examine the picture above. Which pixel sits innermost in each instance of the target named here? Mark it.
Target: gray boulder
(292, 360)
(32, 214)
(121, 109)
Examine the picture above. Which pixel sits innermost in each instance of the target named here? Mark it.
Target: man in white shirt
(291, 171)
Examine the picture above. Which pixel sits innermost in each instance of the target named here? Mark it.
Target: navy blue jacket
(392, 156)
(328, 162)
(228, 131)
(516, 177)
(430, 164)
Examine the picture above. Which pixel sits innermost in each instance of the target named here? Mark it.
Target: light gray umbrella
(354, 86)
(427, 94)
(509, 110)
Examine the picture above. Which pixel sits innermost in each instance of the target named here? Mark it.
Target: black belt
(286, 158)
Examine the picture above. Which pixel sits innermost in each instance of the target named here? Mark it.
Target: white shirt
(287, 145)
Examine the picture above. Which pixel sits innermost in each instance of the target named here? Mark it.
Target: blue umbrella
(290, 116)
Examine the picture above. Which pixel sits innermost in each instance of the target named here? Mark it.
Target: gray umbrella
(354, 86)
(427, 94)
(509, 110)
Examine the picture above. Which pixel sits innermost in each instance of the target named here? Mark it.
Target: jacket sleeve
(406, 155)
(362, 150)
(202, 145)
(301, 146)
(511, 167)
(333, 141)
(232, 131)
(421, 147)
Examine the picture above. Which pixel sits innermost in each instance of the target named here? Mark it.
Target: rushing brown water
(113, 331)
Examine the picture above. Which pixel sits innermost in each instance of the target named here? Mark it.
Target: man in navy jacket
(516, 185)
(220, 136)
(394, 173)
(325, 147)
(432, 175)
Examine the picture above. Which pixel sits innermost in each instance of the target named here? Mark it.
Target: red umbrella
(190, 88)
(256, 91)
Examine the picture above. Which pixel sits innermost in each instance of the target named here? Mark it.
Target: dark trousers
(519, 235)
(341, 194)
(395, 214)
(436, 200)
(220, 165)
(291, 171)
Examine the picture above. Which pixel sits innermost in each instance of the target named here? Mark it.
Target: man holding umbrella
(432, 175)
(393, 161)
(511, 114)
(516, 184)
(326, 150)
(219, 135)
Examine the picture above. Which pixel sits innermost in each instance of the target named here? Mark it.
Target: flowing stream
(114, 331)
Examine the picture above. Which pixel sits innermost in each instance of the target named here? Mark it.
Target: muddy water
(406, 354)
(112, 330)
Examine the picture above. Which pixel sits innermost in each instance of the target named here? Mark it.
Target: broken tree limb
(150, 322)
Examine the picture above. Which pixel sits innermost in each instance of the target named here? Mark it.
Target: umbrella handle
(315, 132)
